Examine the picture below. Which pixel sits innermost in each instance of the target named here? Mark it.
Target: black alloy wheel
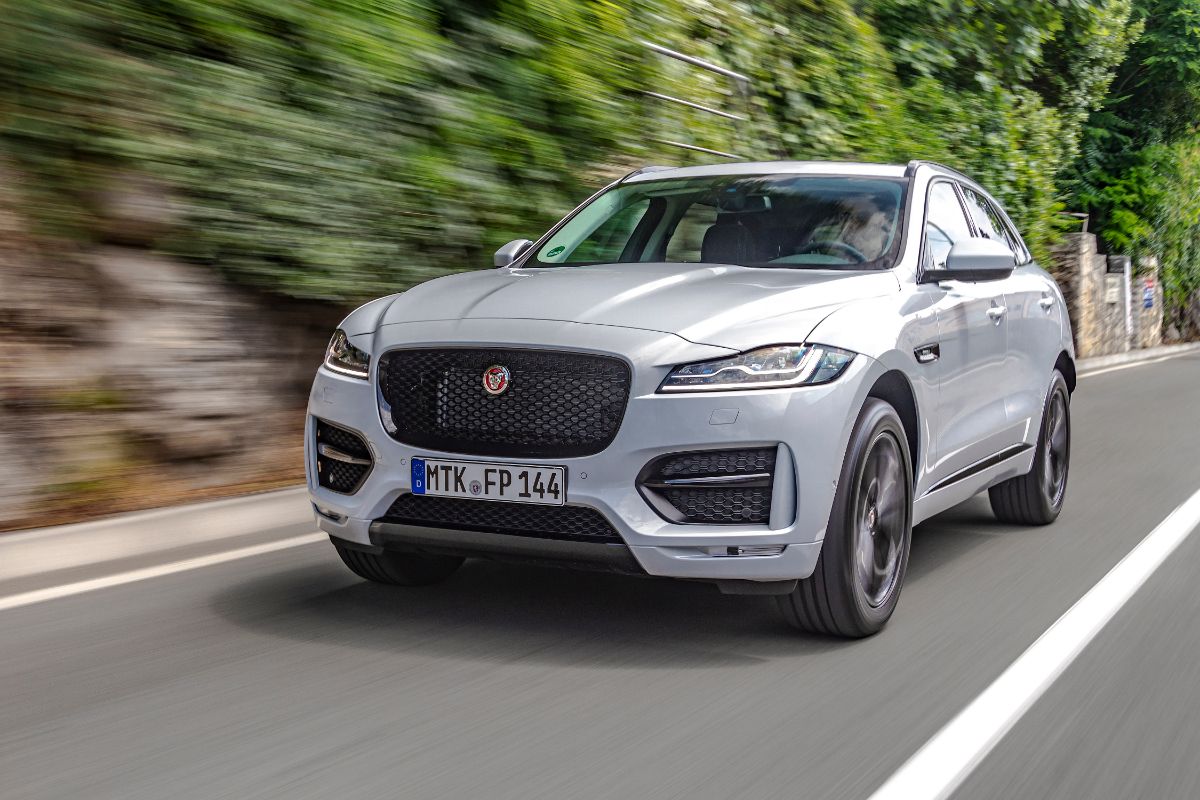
(856, 584)
(1036, 498)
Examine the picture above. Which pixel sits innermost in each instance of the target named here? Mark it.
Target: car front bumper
(810, 426)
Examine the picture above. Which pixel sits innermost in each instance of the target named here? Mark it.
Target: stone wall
(1096, 286)
(132, 381)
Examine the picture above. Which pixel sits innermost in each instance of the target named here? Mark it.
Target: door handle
(996, 313)
(927, 354)
(1046, 303)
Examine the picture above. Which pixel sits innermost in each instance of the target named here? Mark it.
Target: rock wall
(1095, 287)
(132, 381)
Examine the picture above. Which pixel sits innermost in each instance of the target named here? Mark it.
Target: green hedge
(343, 149)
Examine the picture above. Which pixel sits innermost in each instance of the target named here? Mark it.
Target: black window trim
(639, 237)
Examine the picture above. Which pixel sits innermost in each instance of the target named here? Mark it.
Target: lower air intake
(566, 523)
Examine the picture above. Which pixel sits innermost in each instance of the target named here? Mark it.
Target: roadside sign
(1112, 289)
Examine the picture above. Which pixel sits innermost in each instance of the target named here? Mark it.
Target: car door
(971, 362)
(1033, 318)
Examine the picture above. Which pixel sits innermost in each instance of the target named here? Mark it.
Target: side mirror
(511, 252)
(975, 260)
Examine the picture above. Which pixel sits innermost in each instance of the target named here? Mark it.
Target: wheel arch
(1066, 365)
(894, 388)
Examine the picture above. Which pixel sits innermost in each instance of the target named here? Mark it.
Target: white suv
(759, 374)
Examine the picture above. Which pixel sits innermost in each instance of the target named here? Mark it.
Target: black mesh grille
(342, 439)
(570, 523)
(721, 506)
(714, 504)
(336, 475)
(718, 462)
(558, 405)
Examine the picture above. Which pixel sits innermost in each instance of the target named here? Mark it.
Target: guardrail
(741, 84)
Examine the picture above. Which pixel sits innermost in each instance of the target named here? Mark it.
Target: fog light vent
(343, 458)
(754, 550)
(713, 487)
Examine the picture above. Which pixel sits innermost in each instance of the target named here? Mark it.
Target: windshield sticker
(557, 251)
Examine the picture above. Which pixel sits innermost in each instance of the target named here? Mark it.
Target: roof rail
(911, 169)
(642, 170)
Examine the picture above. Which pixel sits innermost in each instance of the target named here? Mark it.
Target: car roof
(851, 168)
(847, 168)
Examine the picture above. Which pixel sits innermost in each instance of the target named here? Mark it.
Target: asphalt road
(283, 675)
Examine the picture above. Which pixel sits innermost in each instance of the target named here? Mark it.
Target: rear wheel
(858, 576)
(1036, 497)
(399, 569)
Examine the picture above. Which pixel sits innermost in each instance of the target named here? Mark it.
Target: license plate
(514, 483)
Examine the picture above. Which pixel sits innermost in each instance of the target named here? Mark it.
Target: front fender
(889, 330)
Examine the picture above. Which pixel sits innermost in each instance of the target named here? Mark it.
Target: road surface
(279, 674)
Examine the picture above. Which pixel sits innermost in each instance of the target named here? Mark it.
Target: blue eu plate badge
(418, 476)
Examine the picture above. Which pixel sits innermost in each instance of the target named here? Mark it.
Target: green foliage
(335, 149)
(318, 149)
(971, 45)
(1158, 85)
(1119, 183)
(1136, 173)
(1175, 239)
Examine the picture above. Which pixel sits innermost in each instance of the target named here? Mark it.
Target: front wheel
(1036, 497)
(856, 583)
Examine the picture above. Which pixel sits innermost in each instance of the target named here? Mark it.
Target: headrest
(727, 242)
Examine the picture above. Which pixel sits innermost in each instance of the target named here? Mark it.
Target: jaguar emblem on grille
(496, 379)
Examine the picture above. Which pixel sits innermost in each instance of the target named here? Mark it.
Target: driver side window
(945, 224)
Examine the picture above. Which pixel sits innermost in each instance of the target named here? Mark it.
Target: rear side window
(991, 225)
(945, 224)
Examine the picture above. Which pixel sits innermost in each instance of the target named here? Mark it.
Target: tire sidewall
(877, 418)
(1058, 385)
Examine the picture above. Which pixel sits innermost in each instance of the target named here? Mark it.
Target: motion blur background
(193, 192)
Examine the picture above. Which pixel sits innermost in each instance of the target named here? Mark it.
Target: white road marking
(1132, 364)
(946, 760)
(219, 524)
(132, 576)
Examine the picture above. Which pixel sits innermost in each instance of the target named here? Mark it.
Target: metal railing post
(741, 85)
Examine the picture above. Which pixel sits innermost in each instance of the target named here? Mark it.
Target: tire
(399, 569)
(848, 596)
(1036, 497)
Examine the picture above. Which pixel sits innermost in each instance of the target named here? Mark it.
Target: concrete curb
(1086, 365)
(138, 533)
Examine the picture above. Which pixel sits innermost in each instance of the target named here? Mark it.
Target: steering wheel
(833, 244)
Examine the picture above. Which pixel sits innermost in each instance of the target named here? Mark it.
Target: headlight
(346, 359)
(764, 368)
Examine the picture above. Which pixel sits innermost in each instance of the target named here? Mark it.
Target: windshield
(788, 221)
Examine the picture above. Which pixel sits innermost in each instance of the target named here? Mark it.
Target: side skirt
(971, 480)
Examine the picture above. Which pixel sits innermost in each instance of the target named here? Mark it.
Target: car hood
(727, 306)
